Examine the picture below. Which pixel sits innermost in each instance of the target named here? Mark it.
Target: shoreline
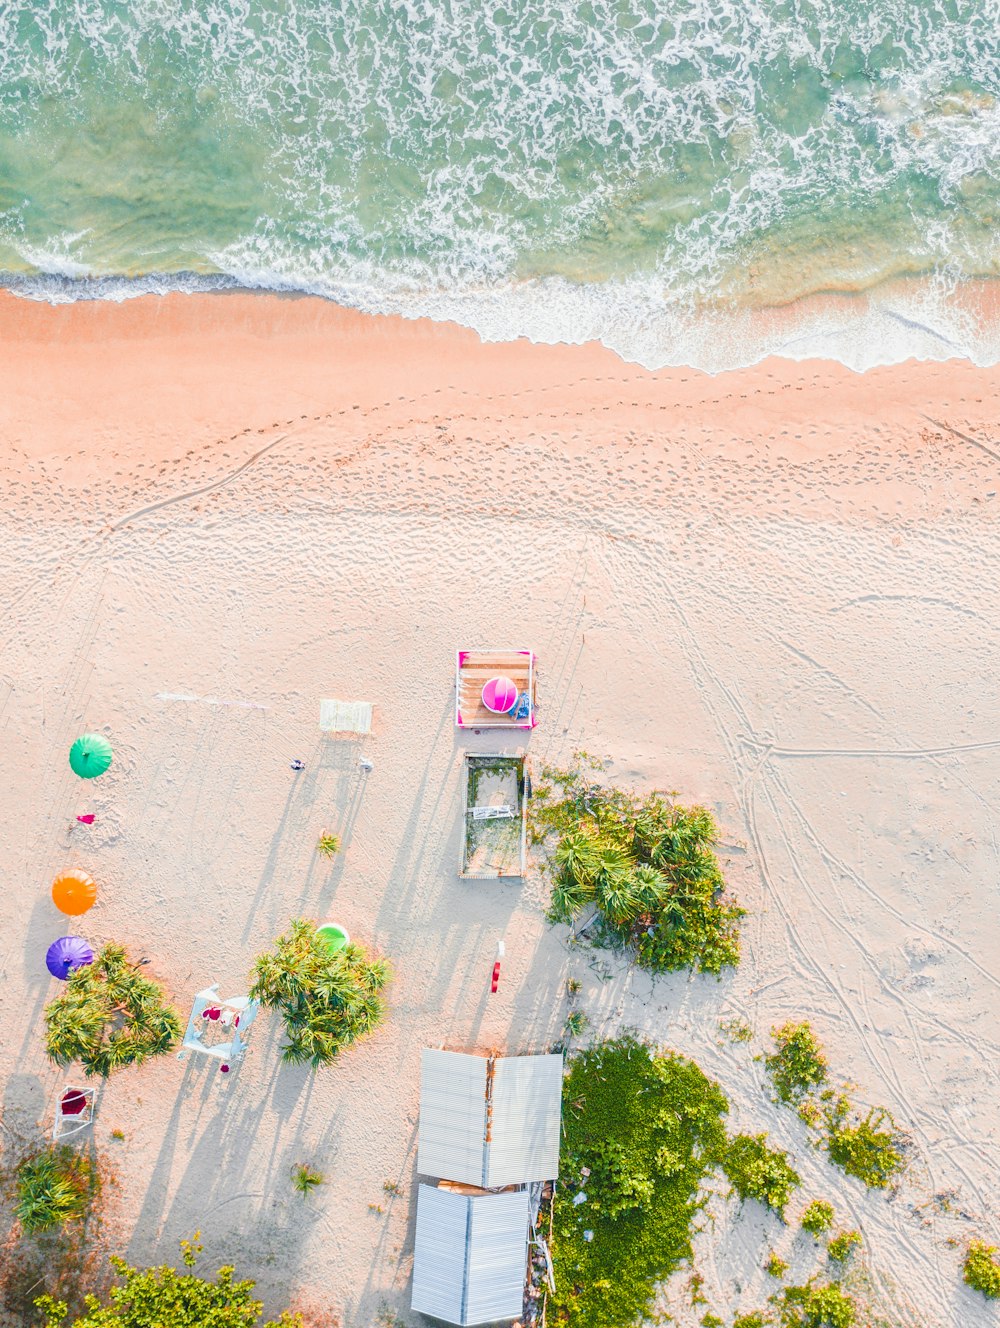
(896, 320)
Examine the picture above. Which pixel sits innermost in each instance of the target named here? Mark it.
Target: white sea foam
(923, 320)
(639, 174)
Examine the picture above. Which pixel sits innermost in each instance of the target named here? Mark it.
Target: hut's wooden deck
(475, 669)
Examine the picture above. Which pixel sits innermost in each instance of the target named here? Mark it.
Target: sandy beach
(772, 591)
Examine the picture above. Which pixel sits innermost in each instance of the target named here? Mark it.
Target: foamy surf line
(915, 319)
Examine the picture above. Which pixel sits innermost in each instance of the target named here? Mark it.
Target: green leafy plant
(646, 863)
(169, 1299)
(755, 1319)
(642, 1132)
(54, 1187)
(576, 1023)
(305, 1179)
(573, 987)
(775, 1265)
(738, 1030)
(981, 1270)
(328, 844)
(798, 1066)
(109, 1015)
(812, 1306)
(863, 1149)
(818, 1217)
(839, 1249)
(711, 1320)
(328, 999)
(758, 1172)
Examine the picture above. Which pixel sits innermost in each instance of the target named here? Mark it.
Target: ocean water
(690, 181)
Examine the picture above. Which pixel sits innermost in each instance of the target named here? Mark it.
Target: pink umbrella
(500, 695)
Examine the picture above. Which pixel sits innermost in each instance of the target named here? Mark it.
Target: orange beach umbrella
(74, 892)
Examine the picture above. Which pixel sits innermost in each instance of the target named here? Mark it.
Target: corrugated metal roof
(470, 1255)
(522, 1122)
(527, 1106)
(452, 1116)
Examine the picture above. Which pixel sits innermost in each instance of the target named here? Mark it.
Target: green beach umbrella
(90, 755)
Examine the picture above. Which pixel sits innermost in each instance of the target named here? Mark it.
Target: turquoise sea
(654, 173)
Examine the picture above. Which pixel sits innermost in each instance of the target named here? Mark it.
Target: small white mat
(345, 716)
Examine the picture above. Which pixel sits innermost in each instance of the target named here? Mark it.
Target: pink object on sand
(86, 820)
(500, 695)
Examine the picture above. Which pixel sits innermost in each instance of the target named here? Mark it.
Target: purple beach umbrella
(67, 953)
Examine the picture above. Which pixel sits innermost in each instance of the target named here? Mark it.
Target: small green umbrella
(90, 755)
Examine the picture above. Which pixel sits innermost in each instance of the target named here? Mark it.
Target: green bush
(756, 1319)
(328, 999)
(52, 1188)
(818, 1217)
(775, 1265)
(839, 1249)
(758, 1172)
(863, 1149)
(642, 1132)
(798, 1066)
(167, 1298)
(809, 1306)
(328, 844)
(646, 863)
(981, 1271)
(109, 1016)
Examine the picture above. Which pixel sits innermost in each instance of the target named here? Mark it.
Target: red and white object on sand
(495, 982)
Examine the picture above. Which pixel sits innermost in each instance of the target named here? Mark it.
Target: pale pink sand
(774, 591)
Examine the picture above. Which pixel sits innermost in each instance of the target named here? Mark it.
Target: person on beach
(298, 765)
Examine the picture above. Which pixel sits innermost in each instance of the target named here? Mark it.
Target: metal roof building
(470, 1255)
(489, 1121)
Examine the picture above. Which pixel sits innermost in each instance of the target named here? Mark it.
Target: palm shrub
(328, 999)
(168, 1298)
(328, 844)
(109, 1016)
(52, 1188)
(646, 864)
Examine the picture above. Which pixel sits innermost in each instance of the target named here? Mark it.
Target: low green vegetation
(737, 1030)
(818, 1217)
(167, 1298)
(646, 863)
(798, 1066)
(759, 1172)
(328, 844)
(863, 1147)
(52, 1188)
(642, 1133)
(328, 999)
(981, 1270)
(839, 1249)
(755, 1319)
(109, 1015)
(305, 1179)
(775, 1265)
(812, 1306)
